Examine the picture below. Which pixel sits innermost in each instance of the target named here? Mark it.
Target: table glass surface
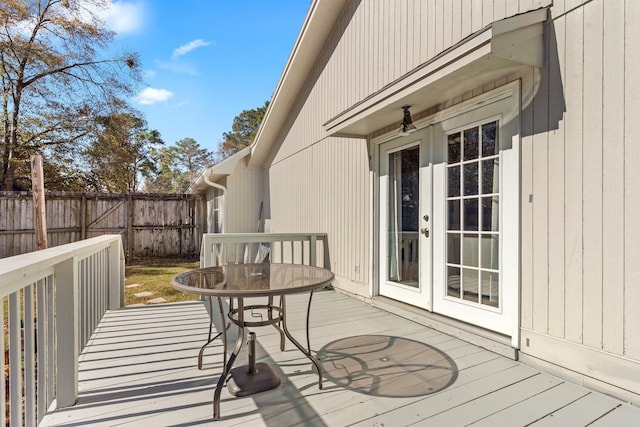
(252, 279)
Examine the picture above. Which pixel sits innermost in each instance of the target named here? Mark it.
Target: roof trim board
(492, 52)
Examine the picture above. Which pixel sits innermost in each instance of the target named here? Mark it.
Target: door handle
(425, 231)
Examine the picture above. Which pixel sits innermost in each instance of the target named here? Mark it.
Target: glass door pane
(403, 217)
(472, 207)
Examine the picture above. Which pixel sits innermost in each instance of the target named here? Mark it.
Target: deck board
(580, 412)
(140, 369)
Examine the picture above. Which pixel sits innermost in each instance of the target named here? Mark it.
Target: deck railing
(295, 248)
(55, 297)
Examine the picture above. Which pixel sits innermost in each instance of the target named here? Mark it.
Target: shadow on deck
(379, 369)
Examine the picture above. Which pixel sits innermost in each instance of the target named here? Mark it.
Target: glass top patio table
(250, 280)
(237, 282)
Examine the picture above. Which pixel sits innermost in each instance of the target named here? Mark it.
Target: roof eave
(317, 26)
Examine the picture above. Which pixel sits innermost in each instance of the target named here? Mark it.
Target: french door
(449, 216)
(405, 266)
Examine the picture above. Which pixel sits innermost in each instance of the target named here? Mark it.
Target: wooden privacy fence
(151, 225)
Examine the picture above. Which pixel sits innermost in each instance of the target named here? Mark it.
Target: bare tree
(54, 79)
(121, 155)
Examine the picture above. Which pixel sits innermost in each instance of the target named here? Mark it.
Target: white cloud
(149, 73)
(150, 96)
(177, 67)
(186, 48)
(124, 17)
(119, 16)
(181, 104)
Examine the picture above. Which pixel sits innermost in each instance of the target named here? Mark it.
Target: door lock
(425, 231)
(426, 217)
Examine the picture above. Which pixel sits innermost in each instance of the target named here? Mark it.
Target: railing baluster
(83, 295)
(15, 361)
(293, 252)
(51, 331)
(3, 393)
(312, 250)
(96, 292)
(85, 280)
(101, 283)
(91, 279)
(41, 346)
(302, 252)
(29, 359)
(99, 267)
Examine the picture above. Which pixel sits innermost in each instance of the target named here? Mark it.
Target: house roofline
(317, 27)
(218, 171)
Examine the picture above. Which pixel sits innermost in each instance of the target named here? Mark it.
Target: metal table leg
(232, 359)
(276, 325)
(305, 351)
(210, 340)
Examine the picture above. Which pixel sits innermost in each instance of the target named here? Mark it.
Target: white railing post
(116, 275)
(206, 253)
(312, 250)
(66, 280)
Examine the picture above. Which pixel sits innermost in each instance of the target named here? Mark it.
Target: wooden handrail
(72, 286)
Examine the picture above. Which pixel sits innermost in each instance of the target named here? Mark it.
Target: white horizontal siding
(579, 173)
(376, 42)
(321, 184)
(326, 189)
(244, 194)
(580, 182)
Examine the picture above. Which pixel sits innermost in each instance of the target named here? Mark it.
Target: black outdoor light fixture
(407, 126)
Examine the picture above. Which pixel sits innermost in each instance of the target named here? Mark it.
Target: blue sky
(205, 60)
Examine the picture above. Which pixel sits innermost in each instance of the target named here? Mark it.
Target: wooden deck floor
(380, 370)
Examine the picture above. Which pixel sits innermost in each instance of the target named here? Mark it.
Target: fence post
(67, 350)
(130, 237)
(83, 216)
(116, 275)
(39, 207)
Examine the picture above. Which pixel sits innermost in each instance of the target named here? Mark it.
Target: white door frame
(420, 296)
(510, 267)
(497, 319)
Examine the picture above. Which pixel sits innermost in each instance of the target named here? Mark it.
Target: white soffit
(499, 49)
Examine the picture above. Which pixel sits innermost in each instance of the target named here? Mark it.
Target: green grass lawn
(155, 278)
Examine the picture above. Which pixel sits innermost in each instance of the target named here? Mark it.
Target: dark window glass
(470, 172)
(454, 214)
(453, 248)
(489, 177)
(453, 144)
(471, 214)
(471, 144)
(489, 139)
(453, 181)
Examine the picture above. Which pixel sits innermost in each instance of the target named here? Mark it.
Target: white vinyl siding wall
(580, 165)
(320, 183)
(581, 192)
(326, 189)
(244, 193)
(242, 200)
